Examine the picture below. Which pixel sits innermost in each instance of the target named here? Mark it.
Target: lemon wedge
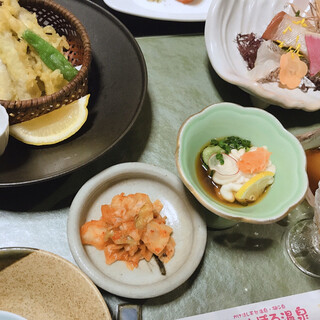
(253, 188)
(54, 126)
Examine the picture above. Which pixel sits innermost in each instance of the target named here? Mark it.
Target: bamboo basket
(79, 53)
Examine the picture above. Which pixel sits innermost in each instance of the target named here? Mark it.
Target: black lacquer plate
(117, 85)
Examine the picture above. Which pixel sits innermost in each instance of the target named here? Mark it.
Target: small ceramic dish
(36, 284)
(262, 129)
(227, 18)
(189, 230)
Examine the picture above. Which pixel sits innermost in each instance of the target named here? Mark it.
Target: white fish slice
(268, 60)
(289, 31)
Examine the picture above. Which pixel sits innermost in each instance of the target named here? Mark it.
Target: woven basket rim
(70, 86)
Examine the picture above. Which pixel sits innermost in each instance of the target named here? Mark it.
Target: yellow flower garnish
(281, 43)
(298, 48)
(287, 28)
(292, 70)
(302, 22)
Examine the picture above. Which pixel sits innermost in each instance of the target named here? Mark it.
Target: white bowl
(189, 230)
(227, 18)
(4, 129)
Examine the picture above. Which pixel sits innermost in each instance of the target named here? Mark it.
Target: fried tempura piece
(23, 70)
(21, 73)
(6, 86)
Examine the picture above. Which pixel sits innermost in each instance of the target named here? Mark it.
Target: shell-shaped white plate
(170, 10)
(227, 18)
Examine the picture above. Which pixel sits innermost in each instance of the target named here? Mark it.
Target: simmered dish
(238, 171)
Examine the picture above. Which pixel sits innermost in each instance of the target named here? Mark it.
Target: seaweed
(316, 81)
(248, 45)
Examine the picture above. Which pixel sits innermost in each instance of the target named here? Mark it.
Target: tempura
(23, 75)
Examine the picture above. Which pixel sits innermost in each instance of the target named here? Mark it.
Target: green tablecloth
(242, 264)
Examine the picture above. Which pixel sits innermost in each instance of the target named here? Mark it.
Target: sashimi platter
(268, 48)
(288, 50)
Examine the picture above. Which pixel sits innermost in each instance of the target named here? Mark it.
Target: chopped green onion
(219, 157)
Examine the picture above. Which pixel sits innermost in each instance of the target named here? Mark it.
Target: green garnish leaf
(297, 13)
(214, 142)
(219, 157)
(224, 145)
(232, 142)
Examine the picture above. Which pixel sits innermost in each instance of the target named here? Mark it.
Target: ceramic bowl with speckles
(262, 129)
(36, 284)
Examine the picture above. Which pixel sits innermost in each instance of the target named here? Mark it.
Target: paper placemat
(304, 306)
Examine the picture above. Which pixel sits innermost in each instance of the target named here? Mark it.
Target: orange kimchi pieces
(130, 229)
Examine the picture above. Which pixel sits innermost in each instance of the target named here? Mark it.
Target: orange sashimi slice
(271, 31)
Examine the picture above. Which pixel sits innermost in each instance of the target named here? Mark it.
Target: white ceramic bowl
(227, 18)
(4, 129)
(189, 230)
